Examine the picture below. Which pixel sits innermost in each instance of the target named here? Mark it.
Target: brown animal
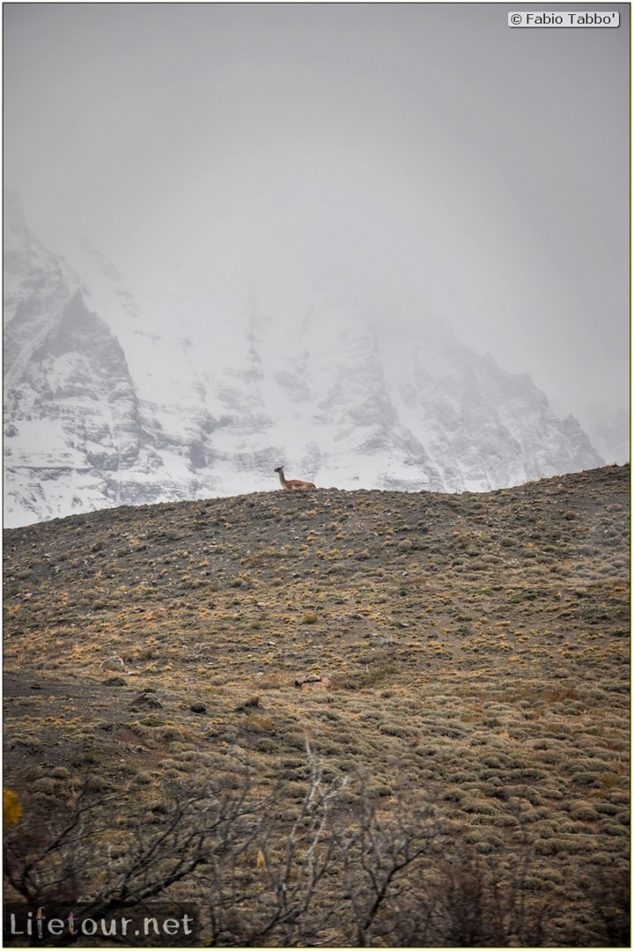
(293, 485)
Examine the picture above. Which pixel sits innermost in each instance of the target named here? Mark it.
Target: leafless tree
(283, 894)
(381, 857)
(62, 855)
(337, 866)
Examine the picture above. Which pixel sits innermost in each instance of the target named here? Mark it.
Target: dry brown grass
(473, 644)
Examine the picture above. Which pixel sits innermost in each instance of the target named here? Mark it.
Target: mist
(388, 159)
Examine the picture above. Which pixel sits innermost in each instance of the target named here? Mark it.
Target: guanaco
(293, 485)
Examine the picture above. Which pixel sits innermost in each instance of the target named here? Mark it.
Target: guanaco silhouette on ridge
(293, 485)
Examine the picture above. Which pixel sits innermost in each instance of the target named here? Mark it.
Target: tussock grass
(473, 645)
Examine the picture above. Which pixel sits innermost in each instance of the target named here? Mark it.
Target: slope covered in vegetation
(456, 666)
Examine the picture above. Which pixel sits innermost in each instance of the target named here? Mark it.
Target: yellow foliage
(12, 810)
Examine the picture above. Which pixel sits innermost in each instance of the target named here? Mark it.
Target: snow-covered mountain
(102, 407)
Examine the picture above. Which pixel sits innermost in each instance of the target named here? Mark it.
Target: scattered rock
(308, 679)
(36, 686)
(146, 700)
(115, 682)
(198, 707)
(249, 704)
(112, 663)
(322, 684)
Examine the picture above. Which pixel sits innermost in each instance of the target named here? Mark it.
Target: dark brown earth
(474, 645)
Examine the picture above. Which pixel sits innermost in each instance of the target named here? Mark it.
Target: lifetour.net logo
(153, 925)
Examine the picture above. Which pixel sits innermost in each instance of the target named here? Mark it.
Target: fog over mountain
(89, 422)
(369, 241)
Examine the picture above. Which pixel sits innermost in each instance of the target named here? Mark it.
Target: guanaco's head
(279, 469)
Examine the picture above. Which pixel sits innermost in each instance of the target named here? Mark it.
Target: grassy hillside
(469, 651)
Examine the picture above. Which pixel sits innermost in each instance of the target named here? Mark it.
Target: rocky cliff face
(101, 410)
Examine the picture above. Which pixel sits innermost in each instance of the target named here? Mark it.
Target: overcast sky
(347, 152)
